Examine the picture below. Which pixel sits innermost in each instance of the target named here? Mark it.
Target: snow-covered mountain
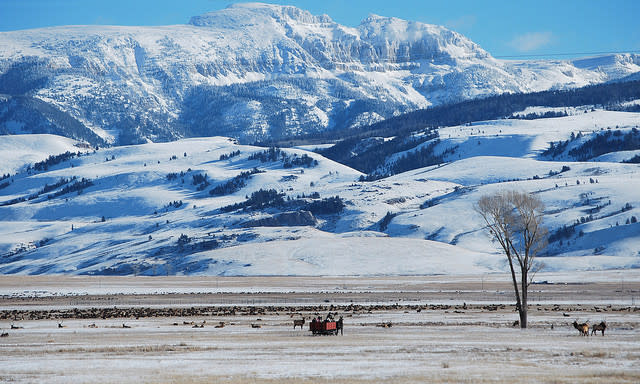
(213, 206)
(254, 72)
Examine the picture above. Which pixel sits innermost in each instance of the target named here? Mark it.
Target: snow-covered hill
(18, 150)
(191, 207)
(254, 71)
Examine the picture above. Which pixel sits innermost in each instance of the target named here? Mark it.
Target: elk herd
(583, 328)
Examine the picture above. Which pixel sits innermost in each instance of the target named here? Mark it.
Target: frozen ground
(435, 343)
(31, 288)
(155, 351)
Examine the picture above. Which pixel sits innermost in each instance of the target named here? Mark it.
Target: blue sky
(504, 28)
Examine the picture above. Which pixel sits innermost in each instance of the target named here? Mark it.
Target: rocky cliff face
(253, 71)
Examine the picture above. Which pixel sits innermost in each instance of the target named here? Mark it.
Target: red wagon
(326, 327)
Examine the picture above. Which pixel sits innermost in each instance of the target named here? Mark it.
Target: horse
(339, 326)
(599, 327)
(582, 328)
(298, 323)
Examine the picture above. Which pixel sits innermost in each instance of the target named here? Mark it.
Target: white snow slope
(254, 71)
(134, 219)
(18, 150)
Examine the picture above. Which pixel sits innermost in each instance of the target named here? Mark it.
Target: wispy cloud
(461, 23)
(531, 41)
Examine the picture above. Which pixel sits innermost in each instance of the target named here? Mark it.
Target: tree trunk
(515, 283)
(523, 302)
(523, 316)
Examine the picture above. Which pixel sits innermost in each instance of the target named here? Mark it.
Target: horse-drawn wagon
(325, 327)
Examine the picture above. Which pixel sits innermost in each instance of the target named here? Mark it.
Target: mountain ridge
(256, 71)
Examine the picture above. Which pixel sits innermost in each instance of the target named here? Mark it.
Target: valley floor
(63, 329)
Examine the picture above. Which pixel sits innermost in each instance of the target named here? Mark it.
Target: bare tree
(514, 220)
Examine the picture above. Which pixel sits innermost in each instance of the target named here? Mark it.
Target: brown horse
(298, 323)
(582, 328)
(339, 326)
(599, 327)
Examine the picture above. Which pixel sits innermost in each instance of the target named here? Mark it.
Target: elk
(298, 323)
(599, 327)
(582, 328)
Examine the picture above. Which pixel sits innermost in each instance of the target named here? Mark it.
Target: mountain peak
(372, 17)
(256, 11)
(432, 39)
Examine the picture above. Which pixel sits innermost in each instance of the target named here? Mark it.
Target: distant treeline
(608, 96)
(607, 142)
(288, 161)
(235, 184)
(541, 115)
(371, 156)
(53, 160)
(601, 143)
(495, 107)
(270, 198)
(77, 186)
(374, 159)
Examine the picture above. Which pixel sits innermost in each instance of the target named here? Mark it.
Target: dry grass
(133, 349)
(277, 354)
(597, 377)
(594, 354)
(431, 346)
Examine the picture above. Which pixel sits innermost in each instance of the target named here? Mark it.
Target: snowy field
(437, 330)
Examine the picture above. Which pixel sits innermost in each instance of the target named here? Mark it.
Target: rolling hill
(213, 206)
